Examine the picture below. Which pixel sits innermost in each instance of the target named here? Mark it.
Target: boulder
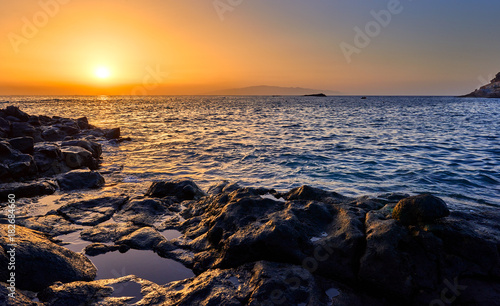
(83, 123)
(92, 212)
(76, 293)
(420, 208)
(146, 238)
(19, 299)
(22, 166)
(16, 112)
(88, 145)
(78, 157)
(180, 189)
(24, 129)
(53, 225)
(49, 159)
(80, 179)
(23, 144)
(40, 262)
(52, 133)
(95, 249)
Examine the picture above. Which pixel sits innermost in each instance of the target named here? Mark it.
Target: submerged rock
(40, 262)
(421, 208)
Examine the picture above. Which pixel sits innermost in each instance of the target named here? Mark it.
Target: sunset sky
(194, 47)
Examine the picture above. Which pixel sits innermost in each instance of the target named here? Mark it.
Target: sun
(102, 72)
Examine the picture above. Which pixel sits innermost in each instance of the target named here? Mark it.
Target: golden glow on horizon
(102, 72)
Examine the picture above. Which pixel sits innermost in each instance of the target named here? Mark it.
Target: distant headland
(491, 90)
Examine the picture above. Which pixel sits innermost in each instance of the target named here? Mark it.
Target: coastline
(246, 245)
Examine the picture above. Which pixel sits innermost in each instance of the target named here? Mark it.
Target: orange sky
(183, 47)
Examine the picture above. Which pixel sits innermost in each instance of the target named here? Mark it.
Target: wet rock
(5, 149)
(28, 190)
(421, 208)
(78, 157)
(53, 225)
(5, 126)
(88, 145)
(92, 212)
(146, 238)
(143, 211)
(95, 249)
(40, 262)
(109, 232)
(21, 166)
(112, 133)
(80, 179)
(23, 144)
(49, 159)
(181, 189)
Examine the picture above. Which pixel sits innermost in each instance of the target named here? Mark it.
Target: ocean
(443, 145)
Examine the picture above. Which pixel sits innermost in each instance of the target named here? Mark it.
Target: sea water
(443, 145)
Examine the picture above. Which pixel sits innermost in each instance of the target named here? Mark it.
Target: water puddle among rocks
(127, 289)
(171, 234)
(74, 242)
(144, 264)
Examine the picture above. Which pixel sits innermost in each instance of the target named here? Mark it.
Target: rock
(112, 133)
(181, 189)
(76, 293)
(23, 144)
(92, 212)
(95, 249)
(143, 211)
(146, 238)
(83, 123)
(21, 166)
(223, 187)
(78, 157)
(80, 179)
(88, 145)
(40, 262)
(16, 112)
(309, 193)
(49, 159)
(108, 232)
(19, 299)
(28, 190)
(421, 208)
(491, 90)
(52, 133)
(5, 125)
(53, 225)
(260, 283)
(5, 149)
(24, 129)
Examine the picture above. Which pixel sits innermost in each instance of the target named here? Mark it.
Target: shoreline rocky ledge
(254, 246)
(491, 90)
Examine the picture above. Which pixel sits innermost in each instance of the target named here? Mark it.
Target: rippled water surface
(444, 145)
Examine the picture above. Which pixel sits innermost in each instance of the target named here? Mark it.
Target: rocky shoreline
(491, 90)
(246, 246)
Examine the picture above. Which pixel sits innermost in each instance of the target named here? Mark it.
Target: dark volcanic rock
(143, 211)
(146, 238)
(16, 112)
(78, 157)
(95, 249)
(112, 133)
(19, 299)
(92, 212)
(108, 232)
(182, 190)
(53, 225)
(40, 262)
(23, 144)
(27, 190)
(421, 208)
(76, 293)
(88, 145)
(80, 179)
